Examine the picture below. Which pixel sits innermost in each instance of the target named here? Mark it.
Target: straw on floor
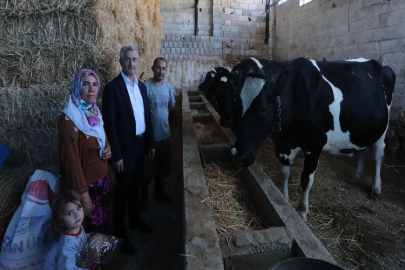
(230, 201)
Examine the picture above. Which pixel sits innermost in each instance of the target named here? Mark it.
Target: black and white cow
(341, 107)
(226, 86)
(214, 81)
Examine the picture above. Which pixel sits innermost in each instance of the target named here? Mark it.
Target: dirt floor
(359, 232)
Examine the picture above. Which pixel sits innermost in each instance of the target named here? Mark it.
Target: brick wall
(244, 25)
(343, 29)
(177, 16)
(228, 29)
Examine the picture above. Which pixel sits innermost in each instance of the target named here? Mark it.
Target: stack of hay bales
(43, 43)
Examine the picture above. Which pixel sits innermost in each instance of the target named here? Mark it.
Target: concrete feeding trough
(285, 235)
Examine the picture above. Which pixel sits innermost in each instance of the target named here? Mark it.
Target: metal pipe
(274, 31)
(266, 39)
(196, 18)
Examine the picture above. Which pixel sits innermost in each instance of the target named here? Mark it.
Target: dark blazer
(119, 119)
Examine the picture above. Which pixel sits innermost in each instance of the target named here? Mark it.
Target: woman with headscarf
(84, 150)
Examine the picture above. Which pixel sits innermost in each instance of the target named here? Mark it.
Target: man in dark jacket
(126, 116)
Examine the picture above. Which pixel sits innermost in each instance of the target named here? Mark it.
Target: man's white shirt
(137, 104)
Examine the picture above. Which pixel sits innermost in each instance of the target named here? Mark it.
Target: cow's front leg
(307, 179)
(286, 157)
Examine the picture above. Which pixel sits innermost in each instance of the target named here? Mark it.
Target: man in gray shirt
(161, 100)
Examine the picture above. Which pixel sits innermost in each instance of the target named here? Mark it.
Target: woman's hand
(88, 204)
(119, 166)
(107, 152)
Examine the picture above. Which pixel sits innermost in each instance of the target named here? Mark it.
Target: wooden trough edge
(201, 240)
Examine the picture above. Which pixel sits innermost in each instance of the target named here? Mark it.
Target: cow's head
(215, 87)
(219, 89)
(261, 115)
(232, 110)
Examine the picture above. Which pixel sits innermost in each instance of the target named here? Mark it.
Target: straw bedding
(230, 201)
(42, 45)
(207, 134)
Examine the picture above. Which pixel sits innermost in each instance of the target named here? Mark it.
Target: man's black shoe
(163, 198)
(142, 226)
(127, 248)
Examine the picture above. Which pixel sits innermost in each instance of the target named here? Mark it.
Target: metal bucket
(302, 263)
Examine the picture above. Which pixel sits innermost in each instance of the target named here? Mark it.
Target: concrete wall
(177, 16)
(228, 30)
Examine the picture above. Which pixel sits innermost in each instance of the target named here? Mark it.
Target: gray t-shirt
(160, 98)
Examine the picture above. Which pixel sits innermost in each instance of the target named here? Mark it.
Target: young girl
(67, 217)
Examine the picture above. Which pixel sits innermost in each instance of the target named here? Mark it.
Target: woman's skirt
(99, 192)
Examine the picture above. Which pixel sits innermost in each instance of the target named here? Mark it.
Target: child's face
(73, 215)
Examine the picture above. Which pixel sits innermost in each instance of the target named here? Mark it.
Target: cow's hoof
(302, 211)
(375, 193)
(303, 215)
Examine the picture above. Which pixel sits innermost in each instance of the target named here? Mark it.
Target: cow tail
(389, 83)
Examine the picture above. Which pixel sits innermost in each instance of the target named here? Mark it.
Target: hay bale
(42, 45)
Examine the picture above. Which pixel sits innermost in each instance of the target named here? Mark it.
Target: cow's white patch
(286, 172)
(369, 75)
(224, 79)
(378, 155)
(291, 156)
(213, 70)
(257, 62)
(337, 139)
(358, 60)
(251, 89)
(212, 75)
(234, 151)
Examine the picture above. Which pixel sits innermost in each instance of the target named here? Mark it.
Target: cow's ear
(281, 82)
